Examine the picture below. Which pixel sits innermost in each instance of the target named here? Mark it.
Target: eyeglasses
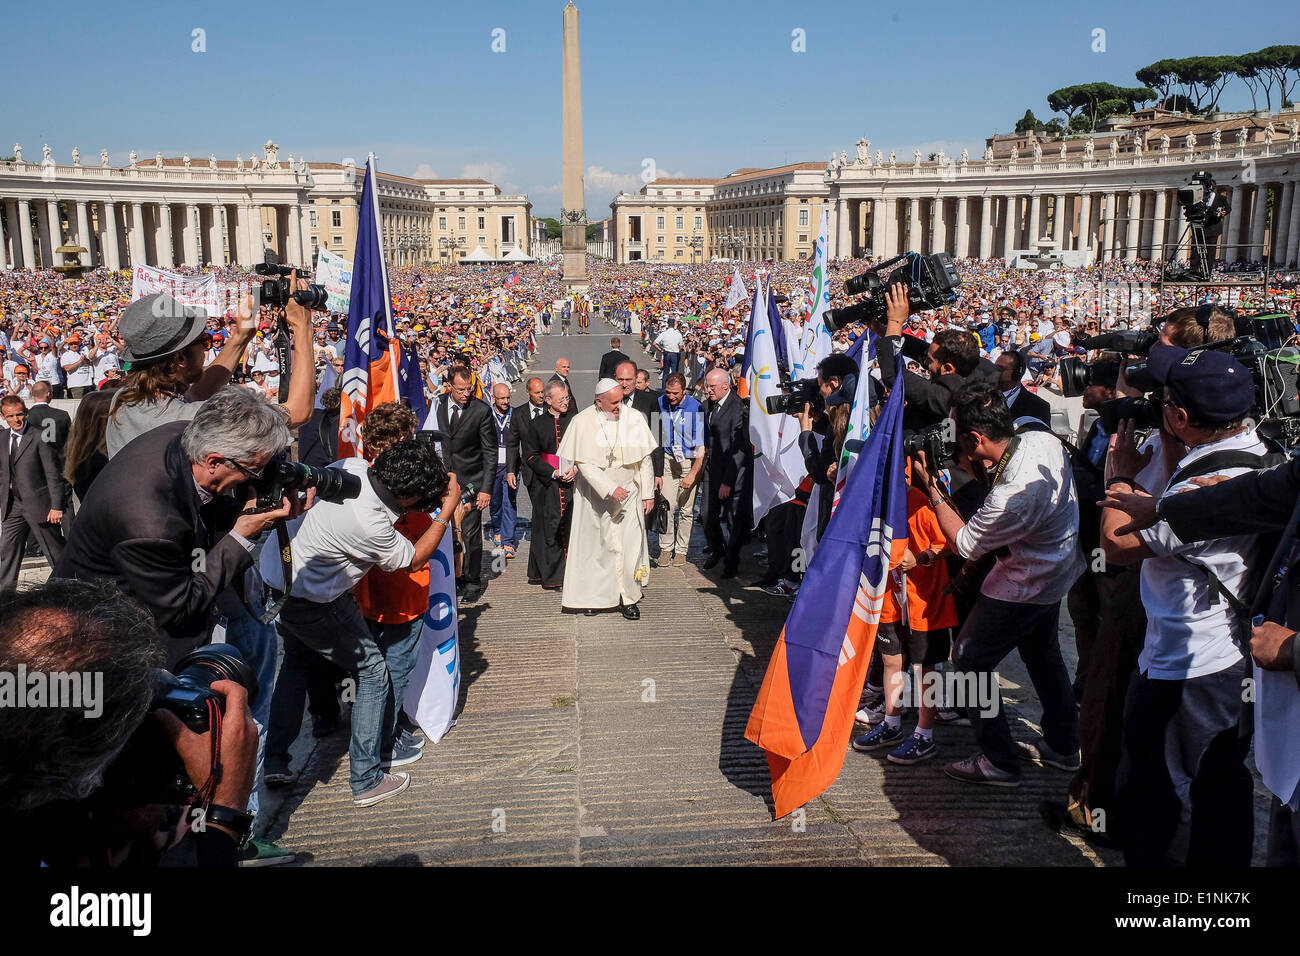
(247, 472)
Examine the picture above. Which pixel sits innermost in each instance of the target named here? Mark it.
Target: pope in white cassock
(608, 559)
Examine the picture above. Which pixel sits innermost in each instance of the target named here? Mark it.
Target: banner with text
(335, 274)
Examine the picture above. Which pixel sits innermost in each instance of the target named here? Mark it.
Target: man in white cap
(607, 556)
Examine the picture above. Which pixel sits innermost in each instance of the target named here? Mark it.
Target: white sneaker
(389, 785)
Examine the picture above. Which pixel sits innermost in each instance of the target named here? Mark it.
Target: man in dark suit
(611, 360)
(1022, 402)
(470, 451)
(32, 491)
(522, 415)
(730, 465)
(53, 425)
(643, 402)
(562, 375)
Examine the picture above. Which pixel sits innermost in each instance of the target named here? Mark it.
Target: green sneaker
(259, 852)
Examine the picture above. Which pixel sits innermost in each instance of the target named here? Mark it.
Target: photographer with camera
(162, 519)
(61, 802)
(332, 547)
(1187, 696)
(952, 359)
(837, 382)
(1030, 521)
(166, 381)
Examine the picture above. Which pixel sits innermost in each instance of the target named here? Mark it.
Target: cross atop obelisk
(573, 214)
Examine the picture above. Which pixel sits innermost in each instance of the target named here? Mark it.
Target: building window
(680, 222)
(442, 223)
(313, 218)
(338, 240)
(680, 240)
(336, 218)
(699, 223)
(482, 240)
(803, 255)
(482, 222)
(803, 217)
(460, 223)
(659, 222)
(660, 240)
(803, 237)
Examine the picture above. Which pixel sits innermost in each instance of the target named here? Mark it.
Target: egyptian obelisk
(573, 213)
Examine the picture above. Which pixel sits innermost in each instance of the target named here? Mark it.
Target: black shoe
(472, 593)
(590, 612)
(713, 561)
(630, 611)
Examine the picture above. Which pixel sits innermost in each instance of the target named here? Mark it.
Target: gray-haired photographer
(173, 520)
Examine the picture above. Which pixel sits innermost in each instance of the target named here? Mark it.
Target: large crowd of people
(179, 410)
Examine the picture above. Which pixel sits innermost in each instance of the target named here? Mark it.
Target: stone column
(1009, 216)
(1257, 222)
(1293, 230)
(190, 236)
(891, 228)
(1086, 234)
(166, 251)
(1035, 201)
(25, 234)
(1159, 226)
(1134, 221)
(240, 232)
(56, 229)
(843, 230)
(135, 239)
(986, 227)
(1058, 220)
(112, 247)
(1110, 210)
(256, 242)
(43, 234)
(1282, 221)
(216, 244)
(1232, 228)
(913, 224)
(962, 226)
(4, 250)
(939, 242)
(84, 235)
(571, 181)
(878, 215)
(297, 255)
(15, 242)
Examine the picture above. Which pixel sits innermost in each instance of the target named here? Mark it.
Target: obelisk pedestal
(573, 213)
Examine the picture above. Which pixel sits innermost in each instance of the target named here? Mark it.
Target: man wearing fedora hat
(166, 344)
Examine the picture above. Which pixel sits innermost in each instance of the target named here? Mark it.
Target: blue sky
(701, 88)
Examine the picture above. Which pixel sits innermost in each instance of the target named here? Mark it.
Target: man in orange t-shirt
(921, 579)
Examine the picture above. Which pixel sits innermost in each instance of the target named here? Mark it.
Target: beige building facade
(189, 212)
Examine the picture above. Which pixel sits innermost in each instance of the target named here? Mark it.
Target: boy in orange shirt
(925, 637)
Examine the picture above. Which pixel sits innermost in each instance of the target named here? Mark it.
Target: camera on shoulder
(930, 280)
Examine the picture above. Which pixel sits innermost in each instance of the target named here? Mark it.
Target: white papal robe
(608, 560)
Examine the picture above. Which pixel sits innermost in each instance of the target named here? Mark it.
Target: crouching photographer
(120, 758)
(1183, 787)
(163, 521)
(331, 548)
(1030, 521)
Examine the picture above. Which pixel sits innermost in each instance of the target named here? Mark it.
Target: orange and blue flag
(372, 359)
(803, 716)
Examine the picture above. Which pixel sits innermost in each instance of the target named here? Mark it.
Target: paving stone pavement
(587, 741)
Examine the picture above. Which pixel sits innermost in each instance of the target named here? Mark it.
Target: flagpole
(383, 269)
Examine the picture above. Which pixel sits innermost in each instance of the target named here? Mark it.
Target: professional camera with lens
(794, 396)
(1078, 375)
(937, 443)
(281, 477)
(275, 290)
(149, 770)
(1193, 197)
(930, 283)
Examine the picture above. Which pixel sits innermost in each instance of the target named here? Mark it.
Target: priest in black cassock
(552, 491)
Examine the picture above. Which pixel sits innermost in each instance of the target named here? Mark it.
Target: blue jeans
(256, 642)
(399, 643)
(337, 632)
(502, 513)
(671, 362)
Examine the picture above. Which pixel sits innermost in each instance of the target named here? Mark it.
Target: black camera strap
(273, 607)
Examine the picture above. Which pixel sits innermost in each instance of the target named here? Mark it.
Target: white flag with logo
(815, 340)
(435, 680)
(736, 294)
(778, 463)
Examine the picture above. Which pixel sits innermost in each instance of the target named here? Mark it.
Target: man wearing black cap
(1184, 792)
